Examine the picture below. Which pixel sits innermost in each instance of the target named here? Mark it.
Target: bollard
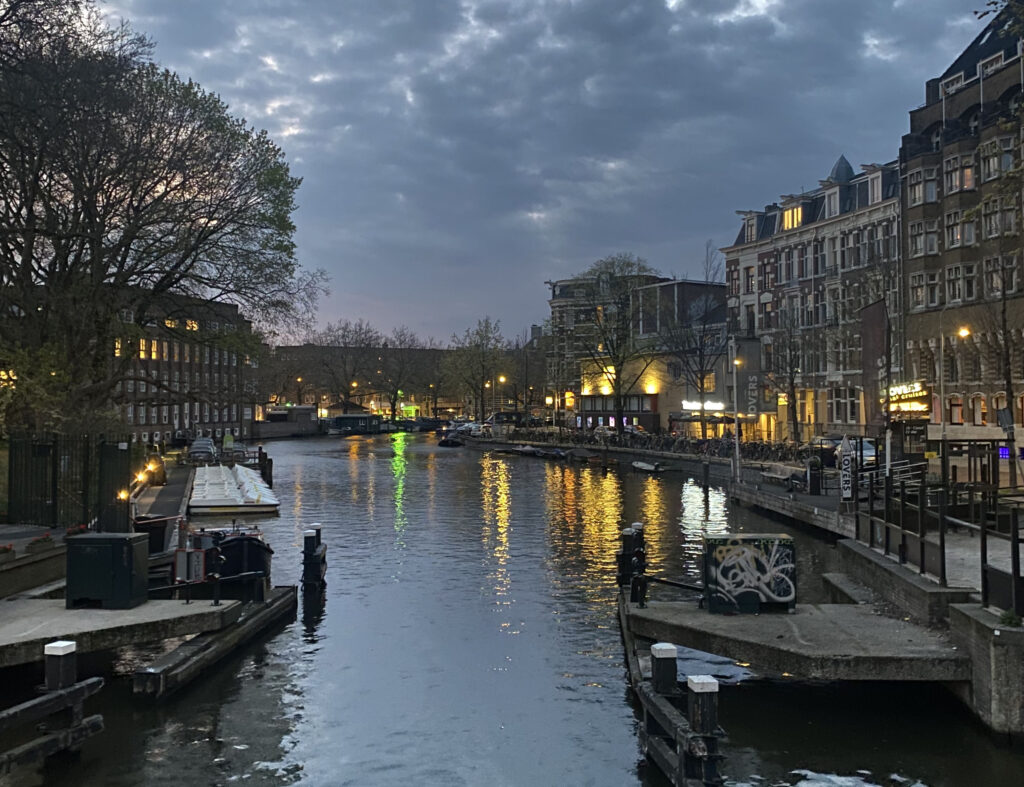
(309, 542)
(638, 536)
(663, 668)
(61, 664)
(638, 579)
(702, 713)
(624, 557)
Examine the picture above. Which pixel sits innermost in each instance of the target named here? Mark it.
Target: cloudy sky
(455, 154)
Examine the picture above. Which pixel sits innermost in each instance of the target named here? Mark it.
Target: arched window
(979, 412)
(956, 409)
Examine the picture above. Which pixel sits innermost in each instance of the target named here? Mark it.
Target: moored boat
(217, 489)
(649, 467)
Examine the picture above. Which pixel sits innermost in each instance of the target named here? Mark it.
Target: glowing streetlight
(735, 415)
(963, 333)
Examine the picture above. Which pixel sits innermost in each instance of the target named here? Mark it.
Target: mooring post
(624, 556)
(663, 668)
(942, 538)
(61, 664)
(702, 712)
(983, 524)
(638, 578)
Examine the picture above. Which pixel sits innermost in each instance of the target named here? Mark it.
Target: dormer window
(875, 189)
(986, 67)
(833, 204)
(750, 230)
(792, 218)
(953, 84)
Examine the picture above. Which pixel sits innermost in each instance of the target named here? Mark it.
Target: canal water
(468, 636)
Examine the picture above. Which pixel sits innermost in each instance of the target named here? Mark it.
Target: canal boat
(218, 489)
(450, 441)
(242, 549)
(649, 467)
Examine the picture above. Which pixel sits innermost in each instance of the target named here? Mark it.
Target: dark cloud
(455, 155)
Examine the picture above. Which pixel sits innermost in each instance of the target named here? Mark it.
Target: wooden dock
(186, 662)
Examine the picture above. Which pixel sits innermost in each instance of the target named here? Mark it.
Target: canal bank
(468, 636)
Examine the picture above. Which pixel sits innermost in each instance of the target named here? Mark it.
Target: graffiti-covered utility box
(749, 572)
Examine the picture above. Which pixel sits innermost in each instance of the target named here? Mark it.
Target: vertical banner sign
(873, 320)
(846, 469)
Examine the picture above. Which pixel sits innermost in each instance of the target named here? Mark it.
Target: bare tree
(473, 361)
(347, 361)
(398, 366)
(694, 334)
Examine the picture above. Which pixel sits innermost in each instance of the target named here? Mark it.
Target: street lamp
(963, 333)
(501, 379)
(735, 414)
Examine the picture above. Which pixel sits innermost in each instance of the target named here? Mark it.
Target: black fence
(911, 520)
(64, 480)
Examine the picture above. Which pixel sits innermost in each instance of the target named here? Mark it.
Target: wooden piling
(663, 668)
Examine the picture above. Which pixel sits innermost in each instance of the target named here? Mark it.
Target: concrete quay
(27, 624)
(817, 641)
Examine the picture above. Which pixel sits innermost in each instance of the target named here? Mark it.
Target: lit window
(117, 348)
(191, 325)
(170, 323)
(792, 218)
(142, 349)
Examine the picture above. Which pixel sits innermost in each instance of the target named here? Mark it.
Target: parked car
(863, 449)
(824, 447)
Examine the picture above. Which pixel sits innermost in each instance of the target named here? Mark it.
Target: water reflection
(410, 675)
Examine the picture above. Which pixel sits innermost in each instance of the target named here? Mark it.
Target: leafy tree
(124, 190)
(606, 336)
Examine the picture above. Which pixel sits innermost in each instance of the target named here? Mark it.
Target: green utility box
(107, 570)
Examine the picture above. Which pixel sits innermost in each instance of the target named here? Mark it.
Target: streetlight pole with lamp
(735, 413)
(963, 333)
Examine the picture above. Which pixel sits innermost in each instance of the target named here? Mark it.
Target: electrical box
(107, 570)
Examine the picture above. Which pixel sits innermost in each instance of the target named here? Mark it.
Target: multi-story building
(188, 372)
(815, 277)
(960, 167)
(578, 395)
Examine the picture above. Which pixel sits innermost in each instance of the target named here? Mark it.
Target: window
(748, 280)
(875, 189)
(952, 229)
(1009, 218)
(177, 351)
(917, 239)
(171, 323)
(967, 235)
(1006, 157)
(750, 230)
(932, 288)
(165, 354)
(833, 203)
(967, 176)
(970, 281)
(117, 348)
(915, 188)
(953, 288)
(931, 237)
(142, 349)
(192, 325)
(792, 218)
(990, 218)
(990, 162)
(1000, 275)
(951, 169)
(917, 290)
(931, 186)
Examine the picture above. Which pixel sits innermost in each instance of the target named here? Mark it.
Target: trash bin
(107, 570)
(814, 474)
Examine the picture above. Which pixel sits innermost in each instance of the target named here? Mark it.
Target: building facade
(815, 278)
(187, 373)
(961, 186)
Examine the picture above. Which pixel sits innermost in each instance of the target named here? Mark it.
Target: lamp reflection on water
(398, 467)
(495, 491)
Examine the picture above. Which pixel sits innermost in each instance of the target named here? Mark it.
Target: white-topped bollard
(663, 668)
(61, 664)
(702, 703)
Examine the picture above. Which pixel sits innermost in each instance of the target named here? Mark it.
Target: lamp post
(963, 333)
(501, 379)
(735, 414)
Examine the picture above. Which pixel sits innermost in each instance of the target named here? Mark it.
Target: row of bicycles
(754, 450)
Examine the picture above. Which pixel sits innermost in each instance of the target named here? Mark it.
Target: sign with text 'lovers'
(846, 469)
